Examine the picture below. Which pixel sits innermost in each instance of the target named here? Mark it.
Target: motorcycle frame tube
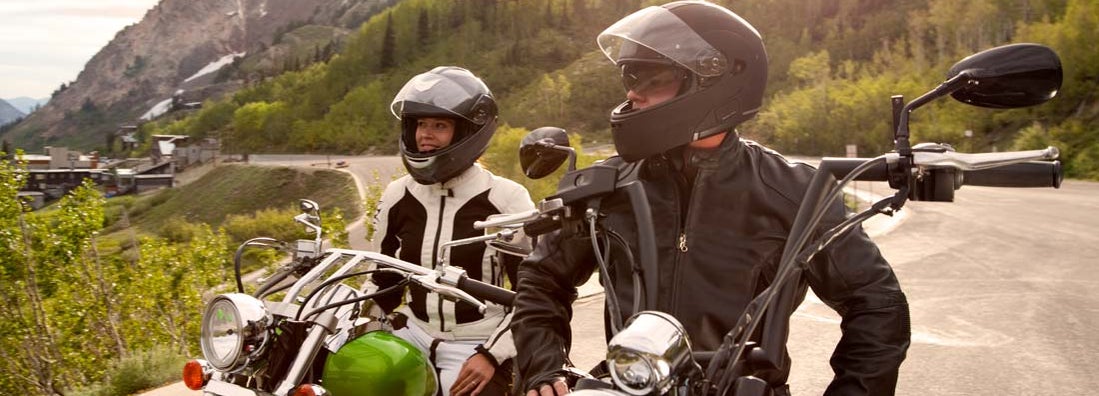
(646, 240)
(322, 328)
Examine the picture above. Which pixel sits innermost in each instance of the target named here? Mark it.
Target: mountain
(189, 48)
(25, 104)
(8, 113)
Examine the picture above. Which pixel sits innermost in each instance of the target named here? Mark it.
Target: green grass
(245, 189)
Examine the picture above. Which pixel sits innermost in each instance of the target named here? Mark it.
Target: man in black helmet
(722, 208)
(448, 117)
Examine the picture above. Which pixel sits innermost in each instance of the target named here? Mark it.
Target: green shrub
(177, 229)
(140, 371)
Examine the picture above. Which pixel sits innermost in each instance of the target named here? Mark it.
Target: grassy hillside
(245, 201)
(245, 189)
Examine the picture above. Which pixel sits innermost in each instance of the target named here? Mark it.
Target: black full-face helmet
(719, 56)
(450, 92)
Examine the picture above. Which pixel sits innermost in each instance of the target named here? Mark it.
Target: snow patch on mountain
(216, 65)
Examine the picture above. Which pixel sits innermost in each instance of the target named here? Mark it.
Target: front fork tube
(323, 326)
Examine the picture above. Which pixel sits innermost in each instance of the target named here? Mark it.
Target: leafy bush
(140, 371)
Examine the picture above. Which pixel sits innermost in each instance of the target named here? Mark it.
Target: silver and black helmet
(451, 92)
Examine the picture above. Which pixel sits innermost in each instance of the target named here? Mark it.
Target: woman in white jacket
(448, 117)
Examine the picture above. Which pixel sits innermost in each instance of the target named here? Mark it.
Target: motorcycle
(308, 330)
(651, 354)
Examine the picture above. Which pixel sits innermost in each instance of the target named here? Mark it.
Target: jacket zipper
(435, 257)
(682, 241)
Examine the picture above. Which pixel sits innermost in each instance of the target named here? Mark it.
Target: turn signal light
(310, 390)
(195, 374)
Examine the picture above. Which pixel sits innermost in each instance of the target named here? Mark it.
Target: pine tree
(389, 44)
(423, 29)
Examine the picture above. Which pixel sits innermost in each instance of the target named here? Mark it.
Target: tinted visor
(643, 78)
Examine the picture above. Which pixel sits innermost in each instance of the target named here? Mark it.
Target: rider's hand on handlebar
(557, 388)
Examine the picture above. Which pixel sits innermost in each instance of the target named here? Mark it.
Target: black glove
(397, 320)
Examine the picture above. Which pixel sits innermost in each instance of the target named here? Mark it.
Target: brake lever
(431, 282)
(937, 155)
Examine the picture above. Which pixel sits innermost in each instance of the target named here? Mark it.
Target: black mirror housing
(1009, 76)
(542, 151)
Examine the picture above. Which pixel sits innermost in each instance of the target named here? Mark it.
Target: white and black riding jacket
(414, 219)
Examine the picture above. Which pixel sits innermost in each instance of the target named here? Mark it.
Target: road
(1000, 284)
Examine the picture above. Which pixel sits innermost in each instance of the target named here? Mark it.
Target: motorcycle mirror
(1009, 76)
(310, 216)
(543, 150)
(308, 206)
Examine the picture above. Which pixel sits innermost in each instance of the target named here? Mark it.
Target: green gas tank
(379, 363)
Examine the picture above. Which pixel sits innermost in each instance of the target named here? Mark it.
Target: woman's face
(433, 133)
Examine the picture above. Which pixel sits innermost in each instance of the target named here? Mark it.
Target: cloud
(56, 37)
(111, 9)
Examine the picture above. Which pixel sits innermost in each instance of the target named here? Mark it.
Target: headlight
(235, 330)
(644, 357)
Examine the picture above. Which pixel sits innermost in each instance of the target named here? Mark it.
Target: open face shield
(656, 30)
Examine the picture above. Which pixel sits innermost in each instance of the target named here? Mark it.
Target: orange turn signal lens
(305, 390)
(310, 390)
(195, 375)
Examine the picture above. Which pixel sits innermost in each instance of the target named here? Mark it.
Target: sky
(44, 43)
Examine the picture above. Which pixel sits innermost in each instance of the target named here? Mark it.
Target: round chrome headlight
(235, 330)
(645, 355)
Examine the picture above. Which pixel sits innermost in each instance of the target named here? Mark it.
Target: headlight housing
(235, 330)
(645, 356)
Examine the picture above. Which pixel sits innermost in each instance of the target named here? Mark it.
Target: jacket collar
(730, 148)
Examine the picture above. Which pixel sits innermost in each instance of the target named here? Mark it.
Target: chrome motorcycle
(652, 353)
(310, 328)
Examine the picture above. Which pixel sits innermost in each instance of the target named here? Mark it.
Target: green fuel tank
(378, 363)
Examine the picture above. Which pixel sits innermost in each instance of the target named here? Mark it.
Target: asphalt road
(1001, 285)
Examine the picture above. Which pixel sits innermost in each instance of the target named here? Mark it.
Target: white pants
(446, 356)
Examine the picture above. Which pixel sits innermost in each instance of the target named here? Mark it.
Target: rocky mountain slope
(180, 45)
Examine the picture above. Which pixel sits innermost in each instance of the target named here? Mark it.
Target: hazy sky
(44, 43)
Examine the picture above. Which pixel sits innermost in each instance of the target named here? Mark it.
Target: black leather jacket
(719, 241)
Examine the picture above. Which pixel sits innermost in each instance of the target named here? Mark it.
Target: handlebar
(984, 169)
(450, 282)
(486, 291)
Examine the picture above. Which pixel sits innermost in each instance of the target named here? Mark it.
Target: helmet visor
(658, 30)
(434, 94)
(645, 78)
